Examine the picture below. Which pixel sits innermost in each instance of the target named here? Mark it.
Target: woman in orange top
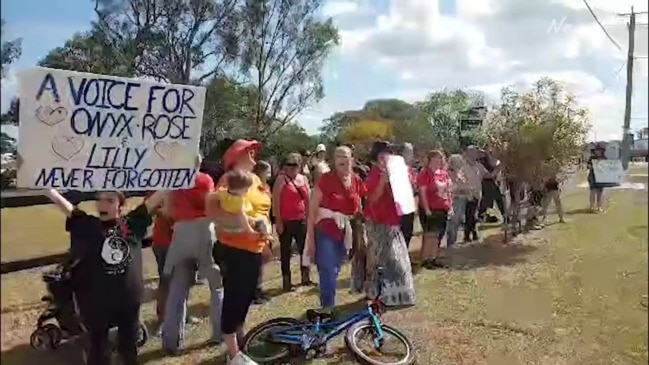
(240, 253)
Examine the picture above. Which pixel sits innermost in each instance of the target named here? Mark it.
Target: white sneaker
(241, 359)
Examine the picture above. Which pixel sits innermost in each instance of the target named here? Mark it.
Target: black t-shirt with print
(109, 254)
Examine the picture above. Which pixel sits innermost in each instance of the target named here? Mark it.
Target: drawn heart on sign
(168, 150)
(67, 147)
(51, 116)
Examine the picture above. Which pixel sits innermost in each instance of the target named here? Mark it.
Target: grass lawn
(570, 294)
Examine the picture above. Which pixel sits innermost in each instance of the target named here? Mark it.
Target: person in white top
(319, 163)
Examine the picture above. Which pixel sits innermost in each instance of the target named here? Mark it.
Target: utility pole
(626, 129)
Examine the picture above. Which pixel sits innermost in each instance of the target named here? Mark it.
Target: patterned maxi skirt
(386, 247)
(359, 258)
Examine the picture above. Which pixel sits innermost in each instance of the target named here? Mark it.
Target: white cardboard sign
(608, 171)
(401, 186)
(90, 132)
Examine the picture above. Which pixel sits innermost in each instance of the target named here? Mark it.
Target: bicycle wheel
(262, 351)
(358, 334)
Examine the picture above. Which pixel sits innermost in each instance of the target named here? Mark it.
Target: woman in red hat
(240, 253)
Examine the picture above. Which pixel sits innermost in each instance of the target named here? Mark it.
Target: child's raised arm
(60, 201)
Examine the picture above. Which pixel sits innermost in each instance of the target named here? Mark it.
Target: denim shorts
(435, 222)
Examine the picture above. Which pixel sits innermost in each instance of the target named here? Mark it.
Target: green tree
(395, 110)
(289, 138)
(7, 143)
(283, 47)
(11, 50)
(175, 41)
(228, 110)
(11, 116)
(537, 133)
(443, 110)
(93, 52)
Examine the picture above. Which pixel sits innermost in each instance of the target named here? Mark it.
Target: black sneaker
(430, 264)
(439, 264)
(260, 299)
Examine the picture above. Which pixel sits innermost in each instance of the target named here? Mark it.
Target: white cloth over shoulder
(342, 221)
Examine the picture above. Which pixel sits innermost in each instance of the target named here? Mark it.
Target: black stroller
(60, 320)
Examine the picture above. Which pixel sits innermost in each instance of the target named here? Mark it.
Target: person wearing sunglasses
(290, 201)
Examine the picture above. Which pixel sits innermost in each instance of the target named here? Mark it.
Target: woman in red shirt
(336, 200)
(386, 246)
(193, 237)
(435, 202)
(408, 220)
(290, 201)
(162, 233)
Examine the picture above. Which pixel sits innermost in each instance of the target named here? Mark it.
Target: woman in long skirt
(386, 246)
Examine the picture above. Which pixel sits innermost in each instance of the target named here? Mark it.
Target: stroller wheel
(41, 340)
(55, 334)
(142, 335)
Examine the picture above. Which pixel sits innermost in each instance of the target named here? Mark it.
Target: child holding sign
(232, 200)
(108, 277)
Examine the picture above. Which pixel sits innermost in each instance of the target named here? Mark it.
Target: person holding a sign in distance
(386, 246)
(108, 275)
(240, 253)
(596, 191)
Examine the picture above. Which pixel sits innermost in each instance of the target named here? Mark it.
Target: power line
(638, 13)
(601, 26)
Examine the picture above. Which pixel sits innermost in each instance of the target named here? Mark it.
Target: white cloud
(492, 43)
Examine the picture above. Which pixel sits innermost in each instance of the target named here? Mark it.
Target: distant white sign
(401, 185)
(90, 132)
(608, 171)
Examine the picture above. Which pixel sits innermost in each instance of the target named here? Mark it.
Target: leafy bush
(536, 134)
(8, 178)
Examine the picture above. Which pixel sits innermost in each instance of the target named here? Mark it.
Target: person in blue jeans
(461, 195)
(335, 201)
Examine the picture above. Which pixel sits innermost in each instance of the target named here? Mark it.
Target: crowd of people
(327, 211)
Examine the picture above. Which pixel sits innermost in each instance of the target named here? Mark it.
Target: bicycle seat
(318, 315)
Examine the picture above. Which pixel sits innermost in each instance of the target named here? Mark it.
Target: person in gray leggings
(191, 247)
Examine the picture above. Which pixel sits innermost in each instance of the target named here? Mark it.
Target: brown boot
(286, 284)
(306, 276)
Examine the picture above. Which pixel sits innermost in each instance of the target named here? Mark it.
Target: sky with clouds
(408, 48)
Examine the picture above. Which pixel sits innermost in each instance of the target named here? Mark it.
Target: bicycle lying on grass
(292, 338)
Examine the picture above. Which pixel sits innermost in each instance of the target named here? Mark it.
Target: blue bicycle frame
(313, 335)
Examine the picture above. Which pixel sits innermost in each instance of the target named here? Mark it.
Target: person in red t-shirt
(191, 246)
(385, 243)
(290, 201)
(408, 220)
(162, 232)
(336, 200)
(435, 202)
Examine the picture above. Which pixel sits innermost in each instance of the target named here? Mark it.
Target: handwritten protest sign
(608, 171)
(91, 132)
(401, 185)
